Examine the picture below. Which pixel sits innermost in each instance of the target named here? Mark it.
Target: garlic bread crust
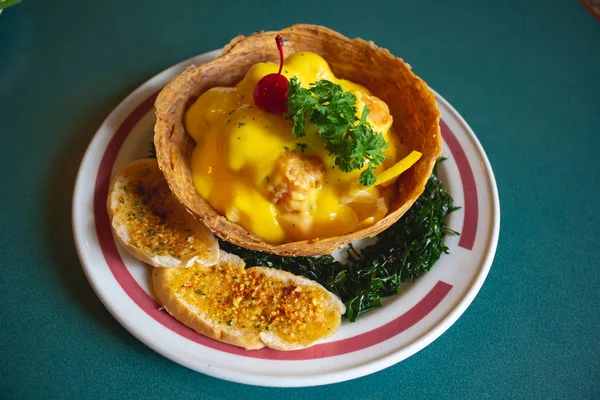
(151, 224)
(250, 308)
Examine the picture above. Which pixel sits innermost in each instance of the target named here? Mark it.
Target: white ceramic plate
(407, 323)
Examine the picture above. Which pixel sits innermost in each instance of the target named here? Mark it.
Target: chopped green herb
(302, 146)
(240, 124)
(199, 292)
(229, 322)
(286, 148)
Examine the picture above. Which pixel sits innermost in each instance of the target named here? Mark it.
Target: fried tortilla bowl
(411, 103)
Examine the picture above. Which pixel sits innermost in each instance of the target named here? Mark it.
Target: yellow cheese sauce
(251, 168)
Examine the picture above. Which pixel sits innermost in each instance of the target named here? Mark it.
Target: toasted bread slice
(250, 308)
(150, 222)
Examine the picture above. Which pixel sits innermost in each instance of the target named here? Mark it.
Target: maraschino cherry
(271, 92)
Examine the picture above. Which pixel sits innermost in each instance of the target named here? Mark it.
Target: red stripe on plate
(471, 207)
(103, 228)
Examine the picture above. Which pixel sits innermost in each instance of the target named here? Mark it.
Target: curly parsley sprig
(333, 111)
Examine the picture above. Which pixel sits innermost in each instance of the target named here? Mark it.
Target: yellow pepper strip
(398, 168)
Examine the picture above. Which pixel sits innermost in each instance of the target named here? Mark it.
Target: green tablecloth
(524, 74)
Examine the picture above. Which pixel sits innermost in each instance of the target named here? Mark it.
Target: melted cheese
(238, 146)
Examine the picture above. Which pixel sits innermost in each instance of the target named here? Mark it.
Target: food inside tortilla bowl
(346, 158)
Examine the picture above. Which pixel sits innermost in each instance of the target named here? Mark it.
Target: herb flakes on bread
(249, 307)
(152, 225)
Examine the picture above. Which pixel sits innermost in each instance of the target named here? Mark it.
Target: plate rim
(262, 379)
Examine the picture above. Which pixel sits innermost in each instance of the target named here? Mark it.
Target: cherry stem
(279, 42)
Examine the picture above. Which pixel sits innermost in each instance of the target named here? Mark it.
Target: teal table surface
(524, 74)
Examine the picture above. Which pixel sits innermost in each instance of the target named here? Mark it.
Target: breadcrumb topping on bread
(147, 217)
(257, 306)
